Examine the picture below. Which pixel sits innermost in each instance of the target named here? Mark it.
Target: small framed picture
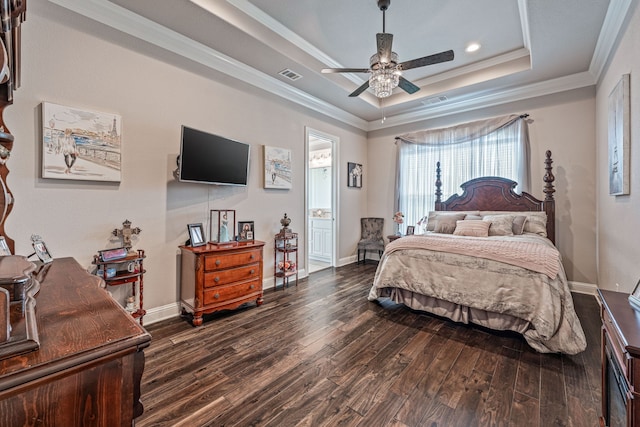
(4, 248)
(245, 231)
(111, 254)
(354, 175)
(634, 297)
(410, 230)
(41, 251)
(196, 234)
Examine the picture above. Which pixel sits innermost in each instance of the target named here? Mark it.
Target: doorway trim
(335, 143)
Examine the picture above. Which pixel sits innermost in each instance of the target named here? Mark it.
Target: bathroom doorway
(321, 200)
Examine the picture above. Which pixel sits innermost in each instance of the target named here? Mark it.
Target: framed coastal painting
(618, 138)
(80, 144)
(277, 168)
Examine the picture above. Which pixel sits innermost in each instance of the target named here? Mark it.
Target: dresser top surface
(626, 318)
(77, 321)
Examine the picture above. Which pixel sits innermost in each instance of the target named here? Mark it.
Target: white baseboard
(164, 312)
(348, 260)
(583, 288)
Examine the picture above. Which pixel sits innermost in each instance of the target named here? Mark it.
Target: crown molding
(561, 84)
(611, 28)
(121, 19)
(135, 25)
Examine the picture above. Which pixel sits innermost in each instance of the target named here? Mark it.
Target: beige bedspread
(544, 303)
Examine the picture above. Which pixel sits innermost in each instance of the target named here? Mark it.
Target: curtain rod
(522, 116)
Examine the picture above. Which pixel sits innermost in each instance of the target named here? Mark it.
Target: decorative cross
(126, 232)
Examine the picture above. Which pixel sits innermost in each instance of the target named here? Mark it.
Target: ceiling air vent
(291, 75)
(434, 100)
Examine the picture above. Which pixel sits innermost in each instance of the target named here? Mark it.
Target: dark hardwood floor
(322, 355)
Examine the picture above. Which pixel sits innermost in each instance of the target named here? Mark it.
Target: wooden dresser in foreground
(88, 367)
(220, 277)
(620, 361)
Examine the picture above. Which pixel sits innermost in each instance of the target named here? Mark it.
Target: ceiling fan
(386, 72)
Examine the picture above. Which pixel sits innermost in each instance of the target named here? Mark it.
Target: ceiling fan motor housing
(383, 4)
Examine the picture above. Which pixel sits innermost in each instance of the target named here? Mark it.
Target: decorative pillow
(518, 224)
(431, 218)
(471, 217)
(536, 221)
(446, 223)
(501, 225)
(472, 227)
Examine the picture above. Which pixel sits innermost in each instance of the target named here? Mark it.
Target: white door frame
(335, 141)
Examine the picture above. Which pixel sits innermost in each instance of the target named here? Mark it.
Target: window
(464, 153)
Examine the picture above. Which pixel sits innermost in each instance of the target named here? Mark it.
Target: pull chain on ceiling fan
(386, 72)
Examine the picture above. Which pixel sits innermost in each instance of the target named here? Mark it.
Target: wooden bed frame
(496, 194)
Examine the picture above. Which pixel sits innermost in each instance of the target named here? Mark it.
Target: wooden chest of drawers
(620, 360)
(220, 277)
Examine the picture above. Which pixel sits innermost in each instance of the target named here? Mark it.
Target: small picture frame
(41, 250)
(4, 248)
(109, 254)
(222, 226)
(410, 230)
(354, 175)
(634, 297)
(245, 231)
(196, 234)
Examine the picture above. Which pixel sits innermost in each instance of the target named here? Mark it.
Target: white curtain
(493, 147)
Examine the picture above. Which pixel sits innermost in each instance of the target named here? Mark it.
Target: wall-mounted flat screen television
(212, 159)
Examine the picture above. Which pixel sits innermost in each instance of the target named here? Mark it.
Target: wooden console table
(88, 368)
(220, 277)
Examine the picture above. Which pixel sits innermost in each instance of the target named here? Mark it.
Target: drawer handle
(252, 256)
(217, 279)
(252, 271)
(217, 262)
(252, 286)
(216, 296)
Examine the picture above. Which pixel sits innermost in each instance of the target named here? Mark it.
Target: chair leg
(364, 258)
(358, 262)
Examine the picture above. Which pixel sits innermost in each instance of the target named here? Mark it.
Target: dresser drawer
(224, 277)
(225, 293)
(221, 261)
(616, 342)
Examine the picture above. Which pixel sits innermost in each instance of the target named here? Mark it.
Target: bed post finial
(548, 178)
(438, 186)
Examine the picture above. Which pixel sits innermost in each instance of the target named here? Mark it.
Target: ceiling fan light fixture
(383, 81)
(384, 76)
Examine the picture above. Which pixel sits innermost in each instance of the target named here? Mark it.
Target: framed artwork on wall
(618, 138)
(277, 168)
(354, 175)
(80, 144)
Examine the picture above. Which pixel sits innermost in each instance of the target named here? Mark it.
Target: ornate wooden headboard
(497, 194)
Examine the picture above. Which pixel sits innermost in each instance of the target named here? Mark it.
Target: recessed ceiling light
(472, 47)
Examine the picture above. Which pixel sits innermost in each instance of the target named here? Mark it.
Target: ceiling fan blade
(407, 86)
(384, 42)
(427, 60)
(345, 70)
(361, 89)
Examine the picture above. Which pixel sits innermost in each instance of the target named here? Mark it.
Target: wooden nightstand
(393, 237)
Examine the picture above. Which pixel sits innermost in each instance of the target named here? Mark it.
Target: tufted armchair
(371, 237)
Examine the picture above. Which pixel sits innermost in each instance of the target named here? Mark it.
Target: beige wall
(618, 216)
(65, 63)
(562, 123)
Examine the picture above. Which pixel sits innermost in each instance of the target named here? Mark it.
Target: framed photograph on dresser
(245, 231)
(634, 297)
